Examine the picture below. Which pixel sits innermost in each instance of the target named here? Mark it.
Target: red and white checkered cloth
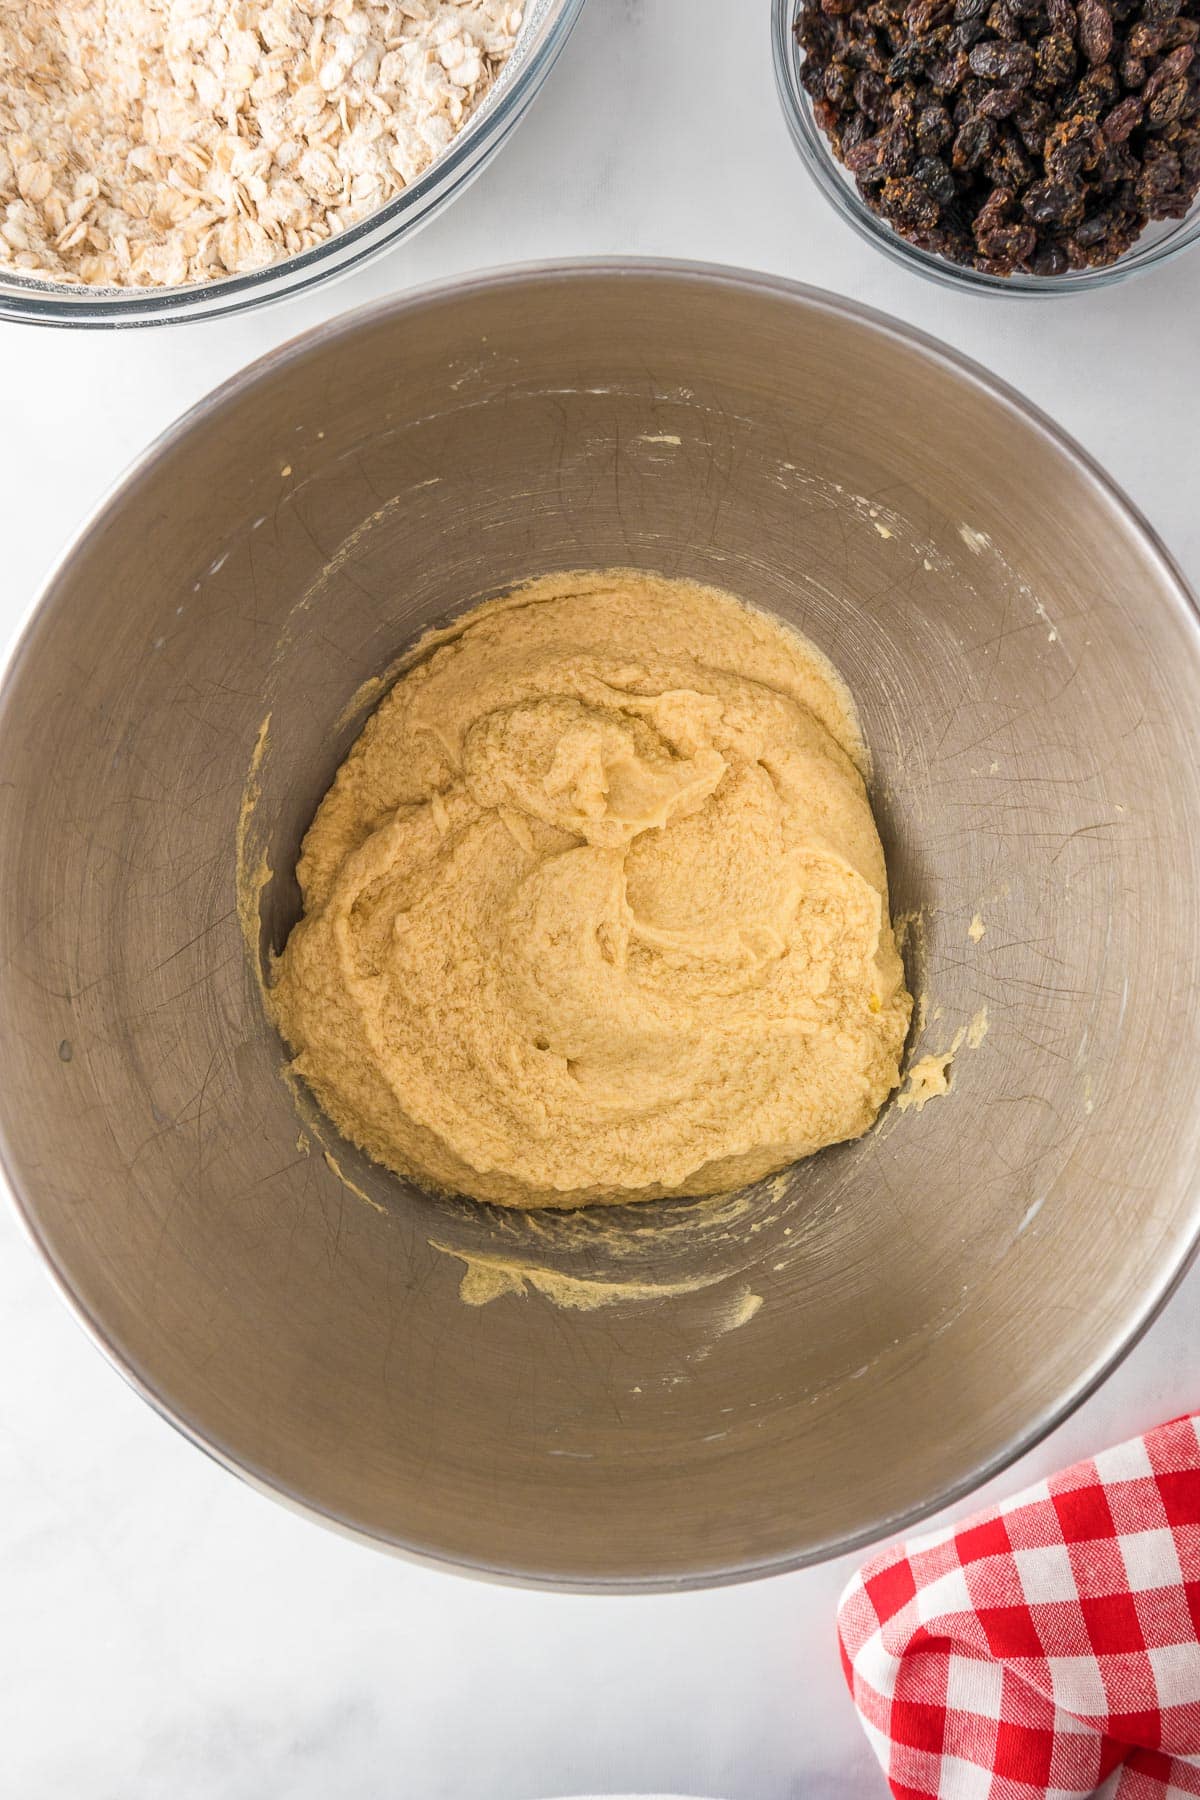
(1047, 1648)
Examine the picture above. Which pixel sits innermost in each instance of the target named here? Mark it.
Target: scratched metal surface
(1026, 665)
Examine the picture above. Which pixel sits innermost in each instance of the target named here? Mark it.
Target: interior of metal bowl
(673, 1393)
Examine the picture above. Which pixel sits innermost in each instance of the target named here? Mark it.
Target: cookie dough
(595, 909)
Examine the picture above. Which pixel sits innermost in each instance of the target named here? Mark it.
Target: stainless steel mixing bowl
(933, 1296)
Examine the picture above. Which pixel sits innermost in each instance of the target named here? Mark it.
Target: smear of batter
(253, 871)
(741, 1310)
(595, 909)
(929, 1077)
(488, 1278)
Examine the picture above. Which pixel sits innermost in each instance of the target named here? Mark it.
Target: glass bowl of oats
(169, 160)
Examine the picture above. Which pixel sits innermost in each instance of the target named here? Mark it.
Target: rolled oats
(149, 143)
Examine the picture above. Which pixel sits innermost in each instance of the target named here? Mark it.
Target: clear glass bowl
(1156, 245)
(546, 28)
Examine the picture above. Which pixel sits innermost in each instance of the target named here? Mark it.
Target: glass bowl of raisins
(1020, 146)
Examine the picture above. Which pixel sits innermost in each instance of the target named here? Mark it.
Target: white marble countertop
(164, 1630)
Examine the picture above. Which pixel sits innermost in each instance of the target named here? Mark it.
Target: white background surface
(163, 1630)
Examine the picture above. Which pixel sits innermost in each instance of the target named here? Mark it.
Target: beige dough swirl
(595, 909)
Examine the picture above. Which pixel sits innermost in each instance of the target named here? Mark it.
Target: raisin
(863, 158)
(1145, 40)
(1102, 89)
(931, 173)
(1050, 259)
(856, 132)
(972, 143)
(1083, 105)
(1004, 22)
(1012, 63)
(966, 34)
(864, 53)
(904, 113)
(1001, 103)
(1009, 245)
(948, 72)
(1008, 163)
(813, 79)
(1092, 230)
(816, 39)
(871, 96)
(972, 92)
(905, 200)
(1033, 121)
(1095, 30)
(1066, 148)
(907, 63)
(898, 157)
(1055, 61)
(1115, 164)
(934, 130)
(1170, 69)
(994, 210)
(1052, 203)
(1123, 119)
(1167, 103)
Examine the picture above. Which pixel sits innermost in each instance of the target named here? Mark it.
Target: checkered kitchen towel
(1048, 1648)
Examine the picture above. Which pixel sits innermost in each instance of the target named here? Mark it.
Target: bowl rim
(834, 183)
(29, 301)
(699, 275)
